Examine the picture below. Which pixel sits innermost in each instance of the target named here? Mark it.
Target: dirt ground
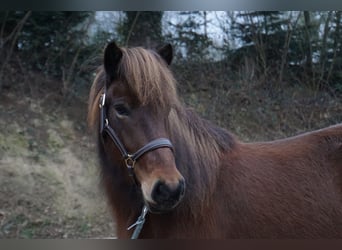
(49, 183)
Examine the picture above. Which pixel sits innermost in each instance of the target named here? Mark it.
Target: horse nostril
(169, 196)
(161, 191)
(181, 187)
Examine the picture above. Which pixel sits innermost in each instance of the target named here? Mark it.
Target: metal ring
(129, 161)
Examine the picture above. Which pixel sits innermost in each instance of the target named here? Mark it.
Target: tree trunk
(308, 46)
(336, 37)
(143, 28)
(324, 48)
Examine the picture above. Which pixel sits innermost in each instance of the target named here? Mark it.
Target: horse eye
(121, 110)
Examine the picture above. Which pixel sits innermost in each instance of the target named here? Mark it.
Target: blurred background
(263, 75)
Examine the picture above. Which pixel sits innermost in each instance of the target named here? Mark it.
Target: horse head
(134, 113)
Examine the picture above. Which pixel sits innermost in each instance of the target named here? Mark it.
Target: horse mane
(148, 76)
(198, 143)
(199, 146)
(96, 91)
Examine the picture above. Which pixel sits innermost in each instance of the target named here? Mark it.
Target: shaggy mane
(148, 76)
(199, 146)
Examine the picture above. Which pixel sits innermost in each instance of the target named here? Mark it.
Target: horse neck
(199, 146)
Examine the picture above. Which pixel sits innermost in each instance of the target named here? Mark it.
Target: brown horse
(206, 183)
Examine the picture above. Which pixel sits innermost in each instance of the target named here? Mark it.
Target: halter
(129, 159)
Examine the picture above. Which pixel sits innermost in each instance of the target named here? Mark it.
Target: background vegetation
(263, 75)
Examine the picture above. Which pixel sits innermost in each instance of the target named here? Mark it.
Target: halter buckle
(129, 161)
(102, 100)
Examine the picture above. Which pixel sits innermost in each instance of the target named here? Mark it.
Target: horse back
(320, 145)
(288, 188)
(317, 154)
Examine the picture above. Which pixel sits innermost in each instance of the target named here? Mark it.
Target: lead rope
(139, 223)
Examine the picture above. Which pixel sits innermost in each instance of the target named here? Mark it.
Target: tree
(50, 42)
(190, 35)
(8, 38)
(334, 55)
(142, 28)
(265, 33)
(316, 49)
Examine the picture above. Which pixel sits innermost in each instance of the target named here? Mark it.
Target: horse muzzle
(166, 196)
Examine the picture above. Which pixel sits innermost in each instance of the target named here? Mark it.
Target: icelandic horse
(187, 178)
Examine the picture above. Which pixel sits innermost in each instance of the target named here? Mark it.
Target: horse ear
(112, 57)
(166, 52)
